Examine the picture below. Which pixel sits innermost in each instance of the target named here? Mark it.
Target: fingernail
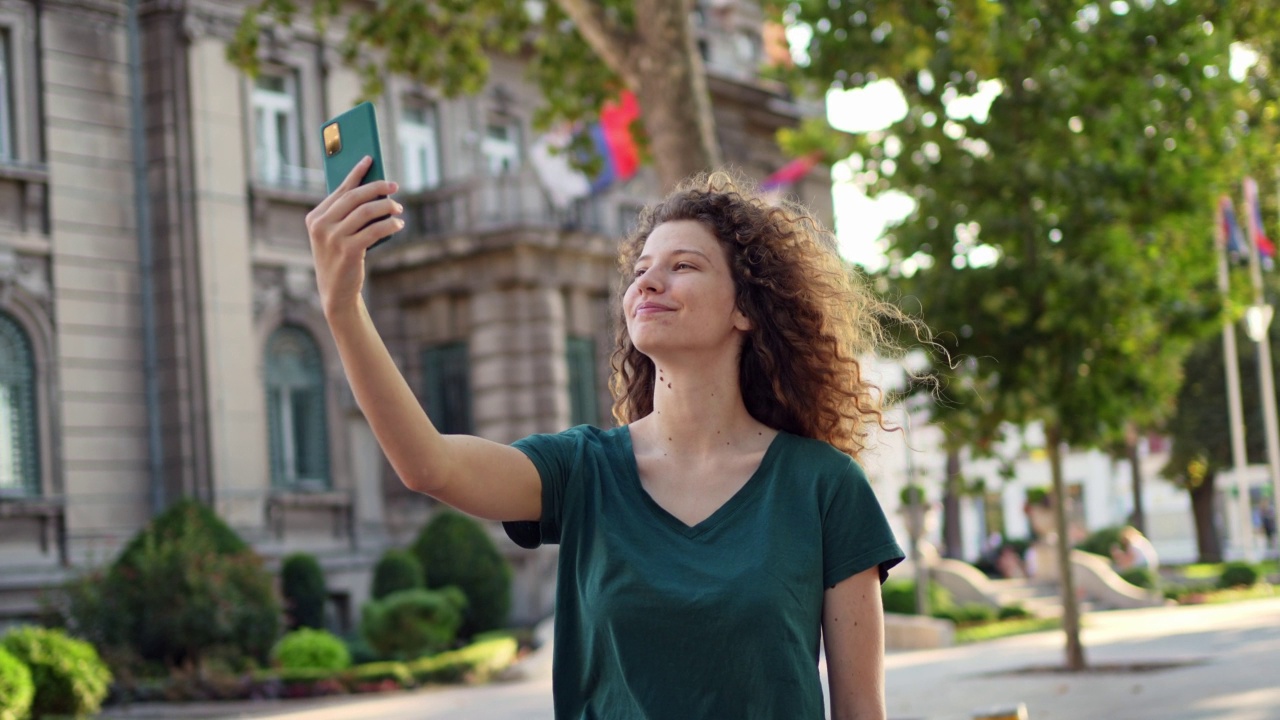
(399, 207)
(394, 186)
(399, 222)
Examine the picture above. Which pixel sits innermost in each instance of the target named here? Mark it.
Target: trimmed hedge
(185, 585)
(397, 570)
(303, 587)
(477, 662)
(17, 689)
(1143, 577)
(1238, 574)
(308, 648)
(900, 597)
(412, 623)
(69, 677)
(456, 550)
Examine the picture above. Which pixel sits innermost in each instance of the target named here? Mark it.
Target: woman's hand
(340, 232)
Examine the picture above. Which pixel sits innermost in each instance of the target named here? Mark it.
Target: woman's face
(682, 296)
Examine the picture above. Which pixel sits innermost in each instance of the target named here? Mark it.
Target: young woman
(711, 539)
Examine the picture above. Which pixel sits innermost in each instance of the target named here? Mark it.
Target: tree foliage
(579, 53)
(1062, 241)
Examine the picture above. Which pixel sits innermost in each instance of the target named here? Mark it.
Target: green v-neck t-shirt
(659, 620)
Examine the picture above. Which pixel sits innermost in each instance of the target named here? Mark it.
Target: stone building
(160, 335)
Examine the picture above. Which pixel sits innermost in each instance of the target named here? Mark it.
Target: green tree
(1200, 428)
(1061, 239)
(580, 54)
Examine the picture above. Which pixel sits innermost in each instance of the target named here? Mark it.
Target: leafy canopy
(1062, 237)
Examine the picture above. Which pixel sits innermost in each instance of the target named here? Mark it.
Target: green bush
(1013, 612)
(967, 614)
(17, 689)
(375, 673)
(184, 586)
(308, 648)
(397, 570)
(456, 550)
(69, 677)
(303, 587)
(1143, 577)
(900, 597)
(412, 623)
(1100, 542)
(476, 662)
(1238, 574)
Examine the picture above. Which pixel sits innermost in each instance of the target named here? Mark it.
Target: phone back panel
(359, 133)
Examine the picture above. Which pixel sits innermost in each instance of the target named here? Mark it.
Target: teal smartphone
(347, 138)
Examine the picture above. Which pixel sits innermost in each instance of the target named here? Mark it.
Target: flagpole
(1259, 332)
(1235, 408)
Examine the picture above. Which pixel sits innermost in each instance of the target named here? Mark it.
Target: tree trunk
(953, 545)
(1203, 503)
(660, 62)
(1070, 606)
(675, 104)
(1132, 448)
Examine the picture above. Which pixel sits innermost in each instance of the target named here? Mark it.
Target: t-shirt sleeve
(855, 533)
(555, 456)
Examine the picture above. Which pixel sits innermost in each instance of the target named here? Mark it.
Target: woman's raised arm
(477, 476)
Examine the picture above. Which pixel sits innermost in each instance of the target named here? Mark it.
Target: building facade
(160, 331)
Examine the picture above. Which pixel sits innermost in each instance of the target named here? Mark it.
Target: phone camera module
(332, 140)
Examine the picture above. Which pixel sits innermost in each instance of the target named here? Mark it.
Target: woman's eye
(683, 265)
(638, 272)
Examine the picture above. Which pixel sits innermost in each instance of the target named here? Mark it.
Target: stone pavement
(1233, 672)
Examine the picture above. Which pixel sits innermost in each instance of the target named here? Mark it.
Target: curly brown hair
(812, 316)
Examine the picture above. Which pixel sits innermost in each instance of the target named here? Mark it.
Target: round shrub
(17, 689)
(899, 597)
(69, 677)
(967, 614)
(311, 649)
(412, 623)
(1142, 577)
(397, 570)
(456, 550)
(1238, 574)
(1013, 612)
(1100, 542)
(187, 584)
(302, 584)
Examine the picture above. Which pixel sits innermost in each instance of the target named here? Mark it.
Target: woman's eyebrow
(681, 251)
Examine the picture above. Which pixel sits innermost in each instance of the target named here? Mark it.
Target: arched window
(296, 411)
(19, 436)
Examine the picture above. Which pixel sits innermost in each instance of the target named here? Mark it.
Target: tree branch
(612, 43)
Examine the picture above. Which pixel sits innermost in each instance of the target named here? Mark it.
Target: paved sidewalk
(1235, 674)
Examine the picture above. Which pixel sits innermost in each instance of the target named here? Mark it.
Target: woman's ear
(741, 321)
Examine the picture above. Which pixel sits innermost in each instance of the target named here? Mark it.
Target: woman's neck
(698, 409)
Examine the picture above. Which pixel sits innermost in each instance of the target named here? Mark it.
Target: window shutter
(447, 386)
(583, 406)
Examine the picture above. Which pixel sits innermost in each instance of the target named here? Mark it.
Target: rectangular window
(501, 147)
(10, 448)
(7, 144)
(583, 406)
(277, 147)
(447, 387)
(419, 143)
(19, 468)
